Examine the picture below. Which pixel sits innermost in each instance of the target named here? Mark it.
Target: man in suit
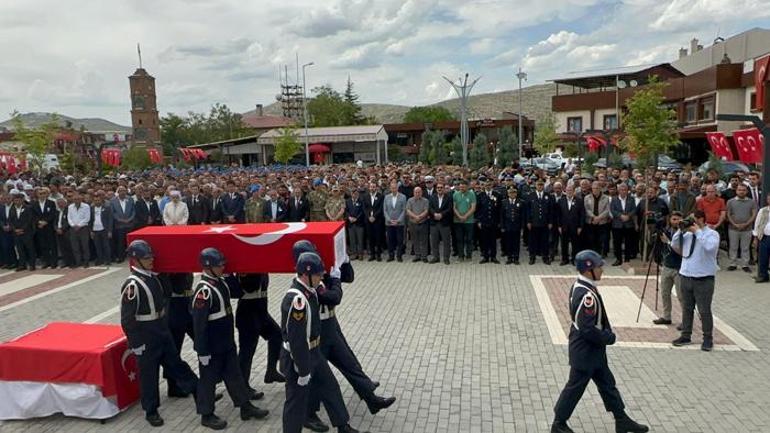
(275, 210)
(683, 201)
(623, 210)
(570, 220)
(555, 235)
(539, 223)
(299, 207)
(43, 214)
(375, 221)
(22, 225)
(394, 212)
(101, 227)
(7, 248)
(513, 214)
(440, 213)
(198, 207)
(123, 213)
(146, 211)
(216, 216)
(355, 221)
(62, 227)
(233, 205)
(597, 207)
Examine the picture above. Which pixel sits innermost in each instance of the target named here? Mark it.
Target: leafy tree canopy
(429, 114)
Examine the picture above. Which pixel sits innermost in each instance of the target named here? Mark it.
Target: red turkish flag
(750, 144)
(594, 142)
(720, 145)
(760, 74)
(247, 247)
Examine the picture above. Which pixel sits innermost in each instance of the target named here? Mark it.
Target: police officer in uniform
(539, 223)
(334, 346)
(305, 369)
(178, 286)
(253, 320)
(215, 343)
(589, 336)
(487, 214)
(512, 216)
(142, 316)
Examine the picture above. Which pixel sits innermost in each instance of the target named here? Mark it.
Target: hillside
(536, 104)
(94, 125)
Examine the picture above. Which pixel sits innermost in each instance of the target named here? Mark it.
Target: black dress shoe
(372, 258)
(348, 429)
(416, 259)
(561, 427)
(531, 260)
(390, 259)
(661, 321)
(154, 419)
(509, 261)
(399, 259)
(378, 403)
(547, 261)
(627, 425)
(732, 268)
(682, 341)
(213, 422)
(425, 260)
(255, 395)
(379, 258)
(175, 392)
(761, 280)
(314, 423)
(446, 262)
(249, 411)
(433, 261)
(494, 260)
(274, 376)
(515, 261)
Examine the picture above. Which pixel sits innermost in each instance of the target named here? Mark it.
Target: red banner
(720, 145)
(594, 142)
(111, 157)
(247, 247)
(760, 75)
(154, 156)
(750, 145)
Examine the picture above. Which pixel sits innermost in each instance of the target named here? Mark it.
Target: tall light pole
(304, 115)
(521, 76)
(463, 90)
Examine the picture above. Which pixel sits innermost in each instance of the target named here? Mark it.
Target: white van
(50, 161)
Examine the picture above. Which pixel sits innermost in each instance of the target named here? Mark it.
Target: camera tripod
(656, 249)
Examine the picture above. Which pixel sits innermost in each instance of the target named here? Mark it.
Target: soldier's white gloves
(335, 273)
(139, 350)
(204, 360)
(303, 380)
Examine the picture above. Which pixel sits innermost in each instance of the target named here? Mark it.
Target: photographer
(652, 211)
(698, 244)
(669, 272)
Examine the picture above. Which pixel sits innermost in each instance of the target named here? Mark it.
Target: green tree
(135, 158)
(589, 160)
(327, 108)
(479, 156)
(197, 128)
(440, 155)
(395, 154)
(508, 146)
(287, 145)
(649, 124)
(428, 114)
(35, 140)
(352, 113)
(457, 151)
(426, 147)
(546, 138)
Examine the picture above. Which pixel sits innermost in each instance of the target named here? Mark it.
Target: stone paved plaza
(472, 348)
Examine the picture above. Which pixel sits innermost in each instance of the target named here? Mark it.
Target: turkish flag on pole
(761, 67)
(594, 142)
(720, 145)
(749, 143)
(248, 248)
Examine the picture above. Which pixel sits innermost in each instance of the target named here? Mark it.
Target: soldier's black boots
(378, 403)
(274, 376)
(249, 411)
(314, 423)
(560, 427)
(213, 422)
(624, 424)
(255, 395)
(154, 419)
(348, 429)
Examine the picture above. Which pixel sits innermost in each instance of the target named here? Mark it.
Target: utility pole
(304, 110)
(521, 76)
(463, 90)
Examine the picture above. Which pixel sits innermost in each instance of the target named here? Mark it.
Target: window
(140, 121)
(752, 101)
(575, 124)
(610, 122)
(708, 109)
(691, 112)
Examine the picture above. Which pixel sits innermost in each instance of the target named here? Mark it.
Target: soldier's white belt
(150, 317)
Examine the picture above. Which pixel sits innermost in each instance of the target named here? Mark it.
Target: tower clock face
(138, 102)
(140, 133)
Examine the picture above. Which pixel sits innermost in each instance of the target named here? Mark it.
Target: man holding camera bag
(698, 244)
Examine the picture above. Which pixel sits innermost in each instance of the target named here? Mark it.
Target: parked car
(665, 162)
(556, 158)
(728, 168)
(547, 165)
(626, 161)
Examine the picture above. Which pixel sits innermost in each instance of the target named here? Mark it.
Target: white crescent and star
(220, 230)
(126, 354)
(271, 237)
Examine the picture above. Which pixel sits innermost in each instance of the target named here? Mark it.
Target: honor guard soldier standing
(589, 336)
(142, 316)
(179, 288)
(487, 213)
(215, 343)
(512, 216)
(334, 346)
(307, 372)
(253, 320)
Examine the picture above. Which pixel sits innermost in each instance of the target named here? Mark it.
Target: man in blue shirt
(698, 246)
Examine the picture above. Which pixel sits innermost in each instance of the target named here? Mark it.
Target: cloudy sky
(73, 56)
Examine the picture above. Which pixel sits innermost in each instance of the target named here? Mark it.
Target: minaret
(144, 108)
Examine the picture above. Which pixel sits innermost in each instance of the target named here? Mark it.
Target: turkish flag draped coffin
(247, 247)
(750, 144)
(83, 370)
(720, 145)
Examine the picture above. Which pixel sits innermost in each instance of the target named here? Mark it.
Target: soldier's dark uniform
(301, 356)
(143, 309)
(179, 288)
(214, 336)
(253, 321)
(589, 336)
(539, 215)
(487, 214)
(512, 219)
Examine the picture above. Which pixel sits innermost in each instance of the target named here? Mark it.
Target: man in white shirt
(79, 217)
(175, 213)
(101, 228)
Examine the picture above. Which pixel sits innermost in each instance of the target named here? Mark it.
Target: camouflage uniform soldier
(255, 207)
(335, 205)
(318, 198)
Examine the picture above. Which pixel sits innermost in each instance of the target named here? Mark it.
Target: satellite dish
(621, 84)
(633, 83)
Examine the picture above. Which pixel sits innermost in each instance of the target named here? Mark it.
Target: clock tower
(144, 109)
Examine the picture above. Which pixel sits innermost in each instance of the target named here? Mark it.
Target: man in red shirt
(713, 207)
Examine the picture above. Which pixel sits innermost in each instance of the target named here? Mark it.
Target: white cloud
(690, 14)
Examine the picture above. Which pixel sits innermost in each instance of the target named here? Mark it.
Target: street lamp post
(521, 76)
(304, 114)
